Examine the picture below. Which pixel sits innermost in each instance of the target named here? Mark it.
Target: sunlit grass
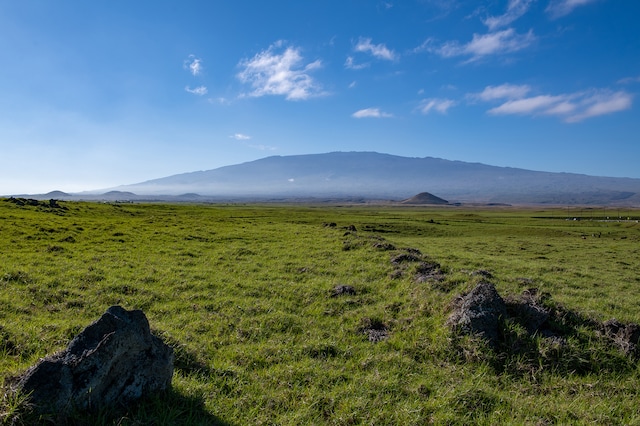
(244, 295)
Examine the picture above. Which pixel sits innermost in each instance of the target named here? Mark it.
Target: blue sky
(101, 93)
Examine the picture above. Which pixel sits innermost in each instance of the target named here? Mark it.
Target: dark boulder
(479, 313)
(113, 361)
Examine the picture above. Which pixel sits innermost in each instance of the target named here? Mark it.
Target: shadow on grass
(564, 342)
(166, 408)
(172, 408)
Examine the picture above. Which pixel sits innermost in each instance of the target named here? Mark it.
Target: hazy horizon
(174, 190)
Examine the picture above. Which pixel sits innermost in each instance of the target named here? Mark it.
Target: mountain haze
(382, 176)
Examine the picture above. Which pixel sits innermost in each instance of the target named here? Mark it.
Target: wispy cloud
(371, 113)
(541, 104)
(280, 70)
(559, 8)
(194, 65)
(351, 64)
(515, 9)
(571, 107)
(482, 45)
(504, 91)
(601, 103)
(435, 104)
(200, 90)
(240, 137)
(629, 80)
(379, 51)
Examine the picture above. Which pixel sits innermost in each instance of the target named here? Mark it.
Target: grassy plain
(243, 294)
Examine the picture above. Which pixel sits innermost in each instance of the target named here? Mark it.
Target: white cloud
(278, 71)
(240, 137)
(434, 104)
(515, 9)
(501, 42)
(601, 103)
(200, 90)
(571, 107)
(379, 51)
(560, 8)
(350, 64)
(371, 113)
(504, 91)
(532, 105)
(194, 65)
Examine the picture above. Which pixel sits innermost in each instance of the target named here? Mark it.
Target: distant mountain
(370, 175)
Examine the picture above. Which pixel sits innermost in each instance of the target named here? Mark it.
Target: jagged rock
(383, 245)
(479, 312)
(625, 336)
(405, 257)
(375, 330)
(343, 290)
(113, 361)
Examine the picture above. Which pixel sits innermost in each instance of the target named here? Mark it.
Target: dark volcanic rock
(343, 290)
(479, 312)
(406, 257)
(375, 330)
(624, 336)
(113, 361)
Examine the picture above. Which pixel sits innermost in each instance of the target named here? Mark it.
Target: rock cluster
(483, 312)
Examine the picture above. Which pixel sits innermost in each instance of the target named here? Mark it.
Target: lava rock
(113, 361)
(479, 313)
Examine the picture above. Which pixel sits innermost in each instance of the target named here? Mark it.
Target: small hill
(425, 198)
(56, 194)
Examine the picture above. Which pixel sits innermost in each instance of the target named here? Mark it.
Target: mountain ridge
(384, 176)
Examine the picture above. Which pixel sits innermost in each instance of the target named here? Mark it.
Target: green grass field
(244, 295)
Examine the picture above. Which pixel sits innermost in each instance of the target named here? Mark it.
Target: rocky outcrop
(479, 312)
(113, 361)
